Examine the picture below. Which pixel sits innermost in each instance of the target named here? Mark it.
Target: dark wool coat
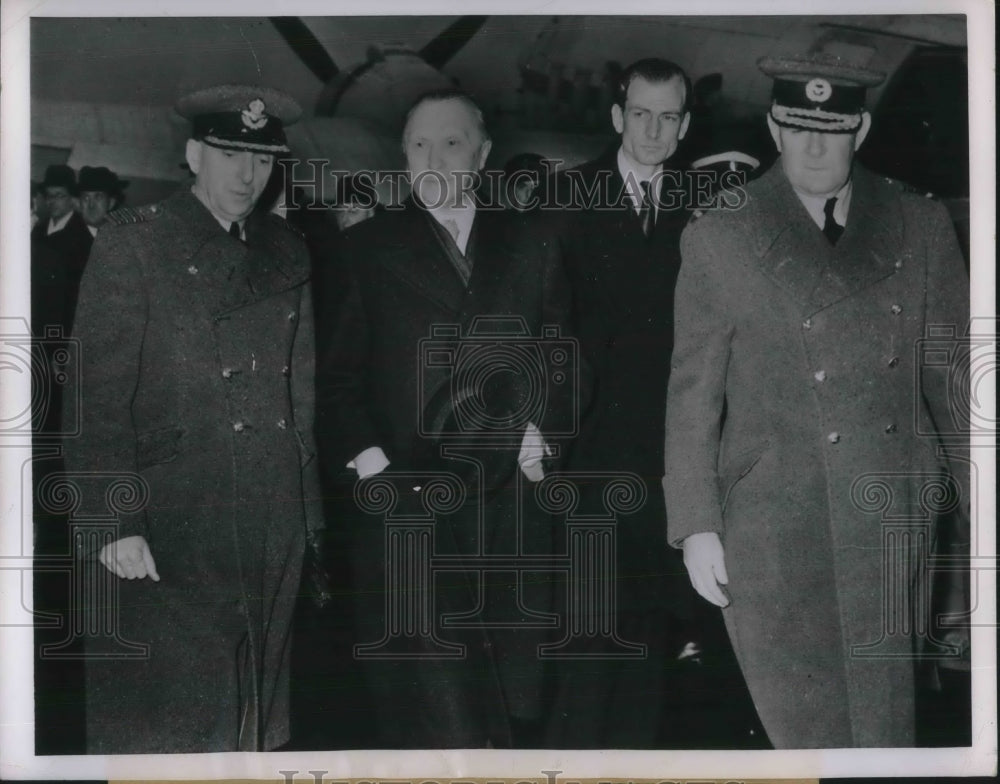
(57, 263)
(623, 292)
(197, 371)
(371, 391)
(794, 379)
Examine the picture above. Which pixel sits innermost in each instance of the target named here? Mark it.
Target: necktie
(647, 215)
(831, 229)
(451, 226)
(234, 230)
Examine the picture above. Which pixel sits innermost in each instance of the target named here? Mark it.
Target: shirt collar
(632, 179)
(814, 205)
(223, 222)
(463, 217)
(58, 225)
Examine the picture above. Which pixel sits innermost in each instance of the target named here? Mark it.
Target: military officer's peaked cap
(240, 117)
(818, 92)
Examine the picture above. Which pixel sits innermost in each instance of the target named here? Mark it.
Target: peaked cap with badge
(240, 117)
(818, 92)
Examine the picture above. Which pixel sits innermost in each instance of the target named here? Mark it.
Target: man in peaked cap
(793, 402)
(196, 339)
(101, 191)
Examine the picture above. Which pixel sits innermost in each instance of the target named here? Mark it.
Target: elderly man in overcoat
(797, 482)
(196, 340)
(445, 262)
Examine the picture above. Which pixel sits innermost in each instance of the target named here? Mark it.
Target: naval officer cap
(818, 92)
(240, 117)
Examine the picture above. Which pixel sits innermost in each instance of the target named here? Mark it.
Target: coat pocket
(158, 446)
(738, 469)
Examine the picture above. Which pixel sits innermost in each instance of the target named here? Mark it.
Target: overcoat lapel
(418, 260)
(224, 272)
(866, 252)
(795, 255)
(496, 259)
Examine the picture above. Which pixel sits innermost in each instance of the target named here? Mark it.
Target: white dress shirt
(814, 205)
(58, 225)
(633, 179)
(463, 218)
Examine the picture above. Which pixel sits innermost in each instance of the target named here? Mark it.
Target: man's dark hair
(652, 69)
(447, 94)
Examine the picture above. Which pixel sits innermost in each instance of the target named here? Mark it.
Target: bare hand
(129, 558)
(705, 560)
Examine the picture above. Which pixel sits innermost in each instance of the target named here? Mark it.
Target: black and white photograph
(551, 391)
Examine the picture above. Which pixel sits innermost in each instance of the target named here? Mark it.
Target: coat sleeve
(569, 398)
(948, 308)
(110, 325)
(696, 390)
(344, 424)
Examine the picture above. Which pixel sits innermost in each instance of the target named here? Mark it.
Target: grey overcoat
(197, 372)
(792, 432)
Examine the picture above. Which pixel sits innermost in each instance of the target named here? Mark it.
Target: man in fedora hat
(60, 246)
(792, 407)
(100, 192)
(196, 338)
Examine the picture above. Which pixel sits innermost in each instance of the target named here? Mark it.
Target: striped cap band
(815, 119)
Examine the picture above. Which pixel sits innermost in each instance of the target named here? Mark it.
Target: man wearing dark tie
(804, 477)
(441, 262)
(618, 221)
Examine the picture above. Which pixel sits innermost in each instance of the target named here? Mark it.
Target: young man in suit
(802, 465)
(442, 261)
(618, 221)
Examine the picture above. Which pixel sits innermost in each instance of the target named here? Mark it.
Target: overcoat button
(286, 371)
(807, 324)
(893, 362)
(239, 427)
(192, 270)
(896, 310)
(282, 424)
(833, 438)
(899, 264)
(227, 372)
(820, 375)
(891, 428)
(292, 316)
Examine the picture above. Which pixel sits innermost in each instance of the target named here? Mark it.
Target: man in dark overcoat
(440, 263)
(196, 343)
(799, 480)
(59, 247)
(618, 220)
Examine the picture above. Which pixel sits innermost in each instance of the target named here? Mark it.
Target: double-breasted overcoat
(798, 429)
(197, 371)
